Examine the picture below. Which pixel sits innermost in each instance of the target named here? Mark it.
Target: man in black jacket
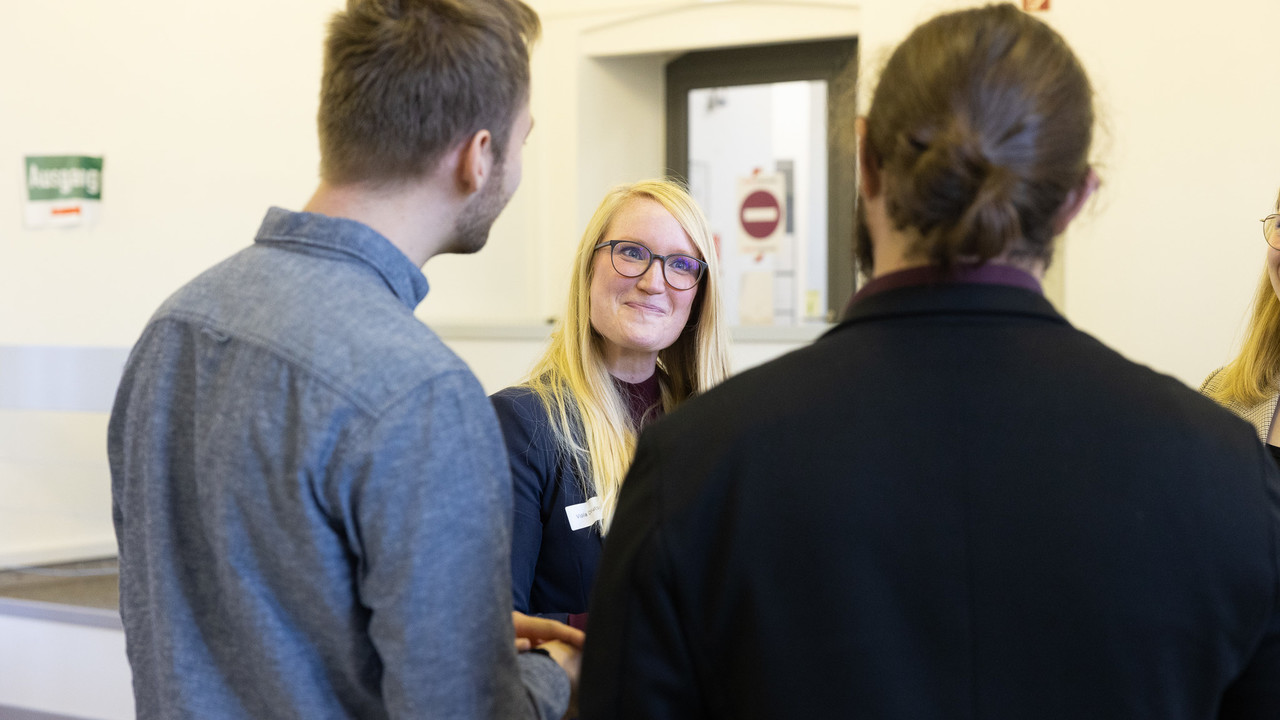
(954, 504)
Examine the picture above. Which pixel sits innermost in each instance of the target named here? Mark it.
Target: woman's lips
(646, 307)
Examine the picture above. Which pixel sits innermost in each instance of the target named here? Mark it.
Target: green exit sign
(62, 190)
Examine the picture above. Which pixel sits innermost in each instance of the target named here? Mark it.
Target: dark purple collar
(985, 274)
(644, 399)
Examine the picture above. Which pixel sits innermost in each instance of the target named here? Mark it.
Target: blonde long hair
(590, 419)
(1255, 373)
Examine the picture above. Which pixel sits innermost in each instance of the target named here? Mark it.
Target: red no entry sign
(760, 214)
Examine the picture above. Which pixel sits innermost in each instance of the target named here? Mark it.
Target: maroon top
(644, 399)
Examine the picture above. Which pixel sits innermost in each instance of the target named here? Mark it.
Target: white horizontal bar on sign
(60, 378)
(760, 214)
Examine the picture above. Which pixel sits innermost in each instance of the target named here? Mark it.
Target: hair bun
(959, 200)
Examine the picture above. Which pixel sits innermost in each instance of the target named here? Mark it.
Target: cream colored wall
(204, 112)
(1165, 264)
(205, 117)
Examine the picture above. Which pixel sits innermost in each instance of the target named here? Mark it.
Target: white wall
(55, 494)
(204, 112)
(205, 115)
(1166, 263)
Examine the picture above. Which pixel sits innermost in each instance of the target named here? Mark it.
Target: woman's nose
(652, 280)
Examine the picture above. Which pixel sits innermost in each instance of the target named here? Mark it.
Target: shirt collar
(984, 274)
(302, 230)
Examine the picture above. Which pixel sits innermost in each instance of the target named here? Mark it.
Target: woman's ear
(1075, 202)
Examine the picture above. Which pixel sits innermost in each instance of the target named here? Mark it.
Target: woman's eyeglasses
(1271, 230)
(631, 259)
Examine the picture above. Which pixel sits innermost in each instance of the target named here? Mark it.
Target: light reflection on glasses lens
(681, 272)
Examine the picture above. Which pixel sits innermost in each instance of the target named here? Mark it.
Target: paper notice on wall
(755, 303)
(62, 190)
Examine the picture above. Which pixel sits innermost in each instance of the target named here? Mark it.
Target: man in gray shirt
(310, 491)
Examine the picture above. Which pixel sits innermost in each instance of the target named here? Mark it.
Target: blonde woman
(1250, 384)
(642, 333)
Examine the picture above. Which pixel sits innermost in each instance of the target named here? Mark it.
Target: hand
(533, 631)
(569, 658)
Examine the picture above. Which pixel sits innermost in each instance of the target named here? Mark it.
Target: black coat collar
(950, 299)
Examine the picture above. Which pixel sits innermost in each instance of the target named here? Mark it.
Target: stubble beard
(471, 231)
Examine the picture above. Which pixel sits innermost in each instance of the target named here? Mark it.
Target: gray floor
(87, 583)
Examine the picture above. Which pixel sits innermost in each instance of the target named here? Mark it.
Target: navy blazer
(952, 505)
(552, 565)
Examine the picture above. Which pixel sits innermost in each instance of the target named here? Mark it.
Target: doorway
(753, 131)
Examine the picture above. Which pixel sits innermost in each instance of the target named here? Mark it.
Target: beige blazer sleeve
(1259, 415)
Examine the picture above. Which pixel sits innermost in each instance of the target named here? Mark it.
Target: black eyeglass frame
(613, 244)
(1268, 236)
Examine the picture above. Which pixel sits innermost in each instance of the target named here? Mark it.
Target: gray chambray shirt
(312, 499)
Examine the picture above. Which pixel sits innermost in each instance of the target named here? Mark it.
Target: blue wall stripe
(59, 378)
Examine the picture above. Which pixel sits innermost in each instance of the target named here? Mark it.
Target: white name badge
(584, 514)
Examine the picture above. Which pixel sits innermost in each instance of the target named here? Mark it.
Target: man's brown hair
(405, 80)
(982, 123)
